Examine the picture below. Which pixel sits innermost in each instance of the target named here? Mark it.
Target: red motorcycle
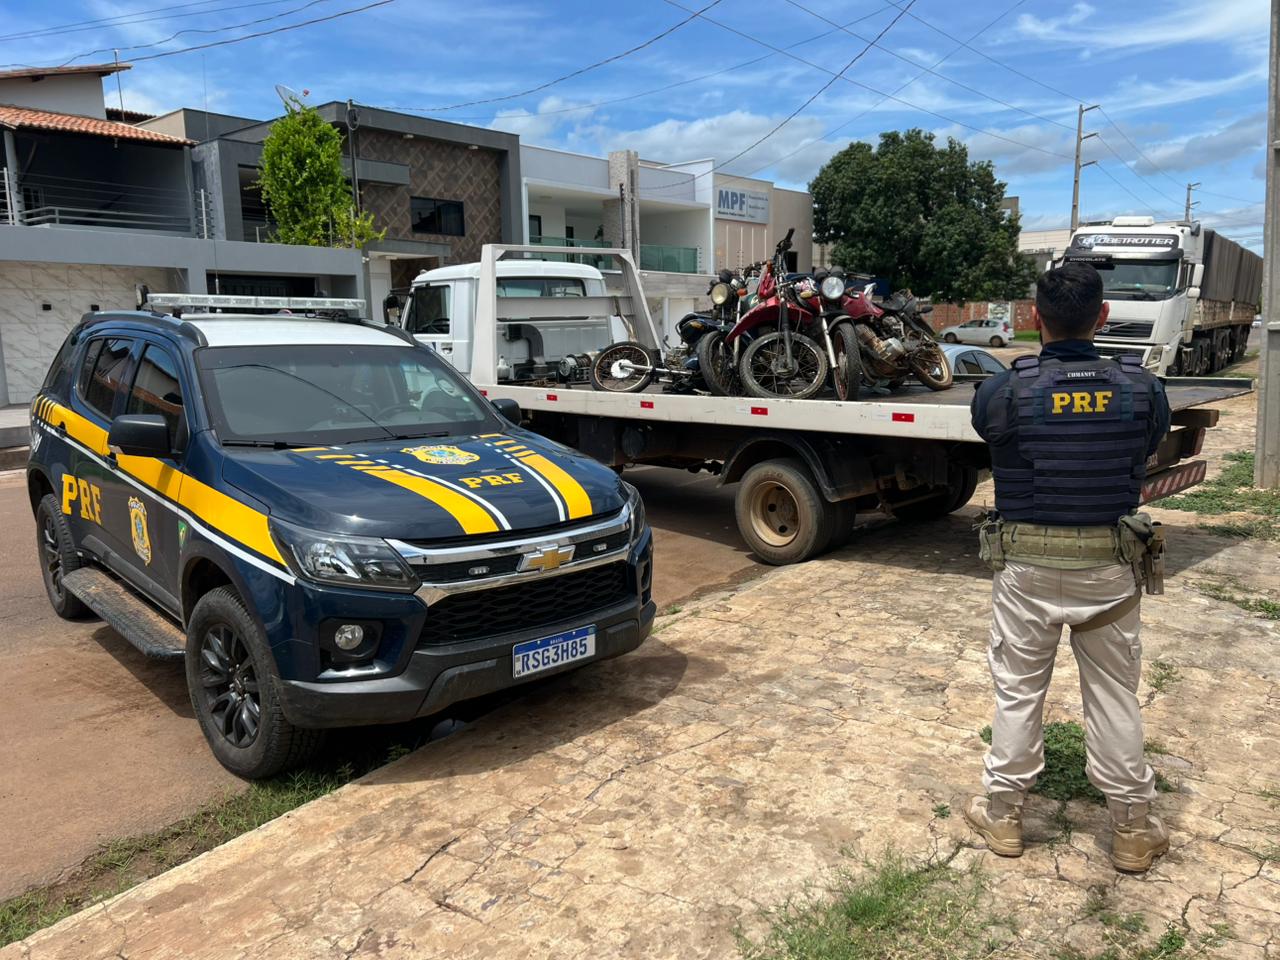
(788, 360)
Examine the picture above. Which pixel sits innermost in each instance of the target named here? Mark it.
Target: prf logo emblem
(1082, 401)
(442, 456)
(138, 529)
(546, 559)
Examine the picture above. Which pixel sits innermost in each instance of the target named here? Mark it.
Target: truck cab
(442, 307)
(1179, 293)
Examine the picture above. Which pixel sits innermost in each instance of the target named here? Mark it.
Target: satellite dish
(290, 97)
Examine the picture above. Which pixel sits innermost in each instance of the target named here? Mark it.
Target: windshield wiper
(422, 436)
(267, 444)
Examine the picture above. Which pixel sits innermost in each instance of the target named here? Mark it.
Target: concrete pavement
(648, 806)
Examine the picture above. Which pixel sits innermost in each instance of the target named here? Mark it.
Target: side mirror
(869, 289)
(140, 435)
(1197, 275)
(508, 408)
(1193, 293)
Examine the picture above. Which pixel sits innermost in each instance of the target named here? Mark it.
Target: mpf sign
(750, 205)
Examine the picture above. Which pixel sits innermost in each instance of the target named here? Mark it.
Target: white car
(996, 333)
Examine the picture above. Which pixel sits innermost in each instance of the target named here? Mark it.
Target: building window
(535, 227)
(437, 216)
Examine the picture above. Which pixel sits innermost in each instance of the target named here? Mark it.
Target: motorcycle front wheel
(847, 375)
(715, 362)
(931, 368)
(764, 373)
(624, 367)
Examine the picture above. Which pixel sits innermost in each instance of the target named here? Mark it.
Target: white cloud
(1246, 135)
(538, 126)
(1176, 21)
(1032, 25)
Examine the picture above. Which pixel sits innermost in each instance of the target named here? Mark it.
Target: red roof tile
(20, 118)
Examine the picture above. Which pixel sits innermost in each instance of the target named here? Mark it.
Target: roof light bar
(214, 301)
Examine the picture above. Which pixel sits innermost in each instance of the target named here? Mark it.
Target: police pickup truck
(326, 521)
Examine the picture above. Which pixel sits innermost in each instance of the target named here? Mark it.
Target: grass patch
(1227, 591)
(942, 810)
(121, 864)
(671, 610)
(1232, 491)
(1027, 336)
(1064, 777)
(892, 910)
(1162, 675)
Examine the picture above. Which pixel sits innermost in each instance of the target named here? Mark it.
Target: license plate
(535, 656)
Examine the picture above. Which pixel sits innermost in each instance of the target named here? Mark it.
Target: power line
(581, 70)
(931, 70)
(663, 89)
(122, 20)
(264, 33)
(821, 90)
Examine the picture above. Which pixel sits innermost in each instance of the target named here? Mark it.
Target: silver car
(996, 333)
(964, 359)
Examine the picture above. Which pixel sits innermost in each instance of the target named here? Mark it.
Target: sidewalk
(14, 426)
(651, 806)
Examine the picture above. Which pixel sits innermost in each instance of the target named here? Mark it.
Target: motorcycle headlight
(720, 294)
(833, 288)
(638, 519)
(341, 560)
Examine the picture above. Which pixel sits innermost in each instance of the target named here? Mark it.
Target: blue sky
(1182, 82)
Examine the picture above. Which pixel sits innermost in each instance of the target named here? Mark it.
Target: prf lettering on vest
(1082, 401)
(493, 480)
(87, 494)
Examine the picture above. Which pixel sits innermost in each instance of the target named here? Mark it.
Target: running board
(146, 628)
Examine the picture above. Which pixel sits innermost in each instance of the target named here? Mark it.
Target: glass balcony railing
(668, 259)
(591, 261)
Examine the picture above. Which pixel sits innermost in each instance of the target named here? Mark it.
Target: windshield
(315, 395)
(1139, 279)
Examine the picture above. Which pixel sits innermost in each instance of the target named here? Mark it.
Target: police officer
(1069, 435)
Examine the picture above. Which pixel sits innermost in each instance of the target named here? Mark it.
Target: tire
(608, 375)
(958, 491)
(230, 673)
(781, 513)
(759, 381)
(715, 362)
(951, 338)
(847, 375)
(58, 557)
(997, 341)
(931, 367)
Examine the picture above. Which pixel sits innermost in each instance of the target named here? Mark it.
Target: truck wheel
(781, 513)
(232, 680)
(844, 514)
(58, 557)
(962, 481)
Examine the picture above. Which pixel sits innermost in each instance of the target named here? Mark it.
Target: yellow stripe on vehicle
(307, 449)
(336, 456)
(470, 515)
(575, 498)
(503, 443)
(222, 513)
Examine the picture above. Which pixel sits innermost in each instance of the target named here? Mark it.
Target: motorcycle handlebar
(785, 242)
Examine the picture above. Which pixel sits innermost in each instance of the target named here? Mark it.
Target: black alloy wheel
(58, 557)
(229, 684)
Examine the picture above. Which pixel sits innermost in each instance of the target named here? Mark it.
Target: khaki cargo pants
(1030, 605)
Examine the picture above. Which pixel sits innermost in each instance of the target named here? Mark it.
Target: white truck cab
(441, 313)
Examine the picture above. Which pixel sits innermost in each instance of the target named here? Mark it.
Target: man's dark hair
(1069, 299)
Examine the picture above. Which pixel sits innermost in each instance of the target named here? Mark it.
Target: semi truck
(804, 469)
(1183, 297)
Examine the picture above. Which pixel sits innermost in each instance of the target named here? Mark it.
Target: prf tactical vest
(1082, 433)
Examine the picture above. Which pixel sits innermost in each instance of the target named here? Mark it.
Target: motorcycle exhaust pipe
(889, 350)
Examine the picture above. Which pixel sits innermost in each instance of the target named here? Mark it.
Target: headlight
(346, 561)
(720, 294)
(833, 288)
(638, 519)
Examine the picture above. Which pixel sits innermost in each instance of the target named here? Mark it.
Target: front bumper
(439, 676)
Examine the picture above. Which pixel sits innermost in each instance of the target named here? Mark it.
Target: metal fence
(47, 200)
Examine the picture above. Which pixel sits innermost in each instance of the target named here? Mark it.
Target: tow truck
(522, 324)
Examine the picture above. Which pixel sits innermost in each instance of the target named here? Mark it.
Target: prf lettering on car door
(87, 494)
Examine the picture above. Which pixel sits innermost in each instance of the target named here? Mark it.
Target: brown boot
(1137, 837)
(998, 819)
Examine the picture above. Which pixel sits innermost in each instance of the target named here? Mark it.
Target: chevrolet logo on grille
(545, 558)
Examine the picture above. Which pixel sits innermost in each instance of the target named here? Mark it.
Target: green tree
(921, 216)
(303, 187)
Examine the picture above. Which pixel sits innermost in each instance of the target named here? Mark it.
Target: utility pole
(1081, 137)
(1190, 187)
(1266, 462)
(119, 87)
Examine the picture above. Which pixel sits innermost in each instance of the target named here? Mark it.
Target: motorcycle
(629, 366)
(877, 345)
(786, 361)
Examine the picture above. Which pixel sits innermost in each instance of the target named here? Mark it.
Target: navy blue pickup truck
(324, 520)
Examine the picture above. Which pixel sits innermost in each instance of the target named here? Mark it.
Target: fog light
(349, 636)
